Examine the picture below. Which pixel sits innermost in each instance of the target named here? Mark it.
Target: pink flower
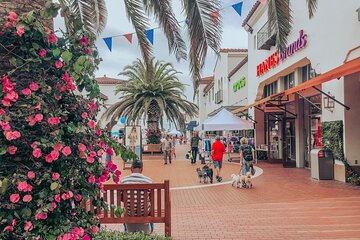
(101, 144)
(47, 30)
(98, 132)
(91, 179)
(92, 154)
(39, 117)
(12, 135)
(22, 186)
(94, 229)
(13, 223)
(49, 158)
(5, 126)
(84, 115)
(14, 198)
(117, 172)
(6, 103)
(37, 153)
(78, 198)
(84, 41)
(81, 147)
(90, 159)
(28, 226)
(9, 24)
(58, 146)
(12, 150)
(26, 91)
(9, 229)
(116, 180)
(20, 31)
(58, 64)
(52, 38)
(34, 144)
(86, 237)
(54, 120)
(67, 195)
(28, 188)
(41, 215)
(27, 198)
(2, 112)
(34, 86)
(100, 152)
(55, 176)
(42, 53)
(91, 124)
(78, 231)
(31, 175)
(54, 155)
(110, 151)
(57, 198)
(89, 51)
(54, 205)
(12, 16)
(66, 151)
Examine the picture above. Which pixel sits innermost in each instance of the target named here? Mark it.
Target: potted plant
(153, 140)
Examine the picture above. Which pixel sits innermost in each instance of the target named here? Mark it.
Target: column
(299, 132)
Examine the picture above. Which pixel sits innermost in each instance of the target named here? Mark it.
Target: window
(270, 89)
(305, 73)
(254, 41)
(289, 81)
(209, 96)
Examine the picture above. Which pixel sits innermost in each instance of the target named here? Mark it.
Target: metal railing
(265, 37)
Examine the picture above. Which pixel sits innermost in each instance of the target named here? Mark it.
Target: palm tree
(280, 20)
(149, 99)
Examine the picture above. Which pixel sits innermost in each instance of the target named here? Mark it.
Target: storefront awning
(345, 69)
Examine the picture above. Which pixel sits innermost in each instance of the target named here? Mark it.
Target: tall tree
(149, 99)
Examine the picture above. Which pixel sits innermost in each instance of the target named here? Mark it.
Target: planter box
(152, 148)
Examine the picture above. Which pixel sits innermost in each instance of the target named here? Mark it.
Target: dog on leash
(236, 180)
(202, 175)
(248, 182)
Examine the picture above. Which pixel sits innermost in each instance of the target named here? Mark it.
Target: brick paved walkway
(284, 204)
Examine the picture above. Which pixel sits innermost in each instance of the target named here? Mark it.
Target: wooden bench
(157, 193)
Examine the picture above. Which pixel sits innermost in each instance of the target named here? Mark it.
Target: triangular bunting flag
(262, 1)
(187, 22)
(129, 37)
(108, 42)
(150, 35)
(215, 17)
(238, 7)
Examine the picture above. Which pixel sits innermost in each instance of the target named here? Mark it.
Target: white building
(289, 117)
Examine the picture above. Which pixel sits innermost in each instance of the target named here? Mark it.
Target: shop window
(289, 81)
(270, 89)
(306, 73)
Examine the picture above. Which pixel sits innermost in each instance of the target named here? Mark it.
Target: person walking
(217, 152)
(173, 144)
(194, 143)
(247, 156)
(167, 148)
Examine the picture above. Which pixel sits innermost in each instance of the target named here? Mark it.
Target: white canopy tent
(174, 132)
(225, 120)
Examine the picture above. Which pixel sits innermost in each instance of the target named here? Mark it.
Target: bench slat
(132, 201)
(140, 186)
(112, 202)
(158, 202)
(152, 201)
(132, 220)
(146, 203)
(138, 203)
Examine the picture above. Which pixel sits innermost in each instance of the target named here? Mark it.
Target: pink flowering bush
(50, 145)
(153, 136)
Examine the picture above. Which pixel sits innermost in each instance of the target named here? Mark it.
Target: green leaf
(3, 150)
(53, 186)
(35, 46)
(13, 61)
(119, 211)
(51, 237)
(4, 184)
(81, 60)
(56, 52)
(66, 56)
(26, 212)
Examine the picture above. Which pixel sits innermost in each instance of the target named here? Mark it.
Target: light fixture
(329, 102)
(250, 29)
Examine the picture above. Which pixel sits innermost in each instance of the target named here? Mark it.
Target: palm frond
(312, 6)
(164, 14)
(136, 15)
(92, 13)
(280, 21)
(203, 32)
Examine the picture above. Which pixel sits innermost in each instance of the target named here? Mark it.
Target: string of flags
(150, 32)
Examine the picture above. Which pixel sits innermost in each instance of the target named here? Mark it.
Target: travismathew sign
(274, 59)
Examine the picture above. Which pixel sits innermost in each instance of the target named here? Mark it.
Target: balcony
(266, 37)
(219, 96)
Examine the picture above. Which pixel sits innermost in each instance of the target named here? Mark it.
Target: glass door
(289, 143)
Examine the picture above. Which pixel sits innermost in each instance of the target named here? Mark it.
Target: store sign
(274, 59)
(239, 84)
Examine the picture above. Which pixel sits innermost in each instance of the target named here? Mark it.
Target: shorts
(217, 164)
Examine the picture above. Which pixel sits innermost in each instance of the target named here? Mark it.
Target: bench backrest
(130, 195)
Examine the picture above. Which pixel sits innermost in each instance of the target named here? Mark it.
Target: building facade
(288, 121)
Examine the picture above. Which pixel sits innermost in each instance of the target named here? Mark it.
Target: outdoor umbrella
(174, 132)
(225, 120)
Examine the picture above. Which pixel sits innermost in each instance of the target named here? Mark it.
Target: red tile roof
(227, 50)
(242, 63)
(206, 80)
(106, 80)
(251, 13)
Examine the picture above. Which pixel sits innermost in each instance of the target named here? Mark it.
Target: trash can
(322, 164)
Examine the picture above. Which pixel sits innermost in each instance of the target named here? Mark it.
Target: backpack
(247, 153)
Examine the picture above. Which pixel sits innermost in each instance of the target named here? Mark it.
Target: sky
(123, 53)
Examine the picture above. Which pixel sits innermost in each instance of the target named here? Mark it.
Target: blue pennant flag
(108, 42)
(150, 35)
(187, 22)
(238, 7)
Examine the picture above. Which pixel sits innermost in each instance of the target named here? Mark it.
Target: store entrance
(289, 148)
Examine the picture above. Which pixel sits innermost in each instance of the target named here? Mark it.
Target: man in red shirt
(217, 152)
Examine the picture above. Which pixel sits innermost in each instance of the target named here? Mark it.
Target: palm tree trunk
(153, 116)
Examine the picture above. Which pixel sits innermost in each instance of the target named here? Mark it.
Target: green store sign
(239, 84)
